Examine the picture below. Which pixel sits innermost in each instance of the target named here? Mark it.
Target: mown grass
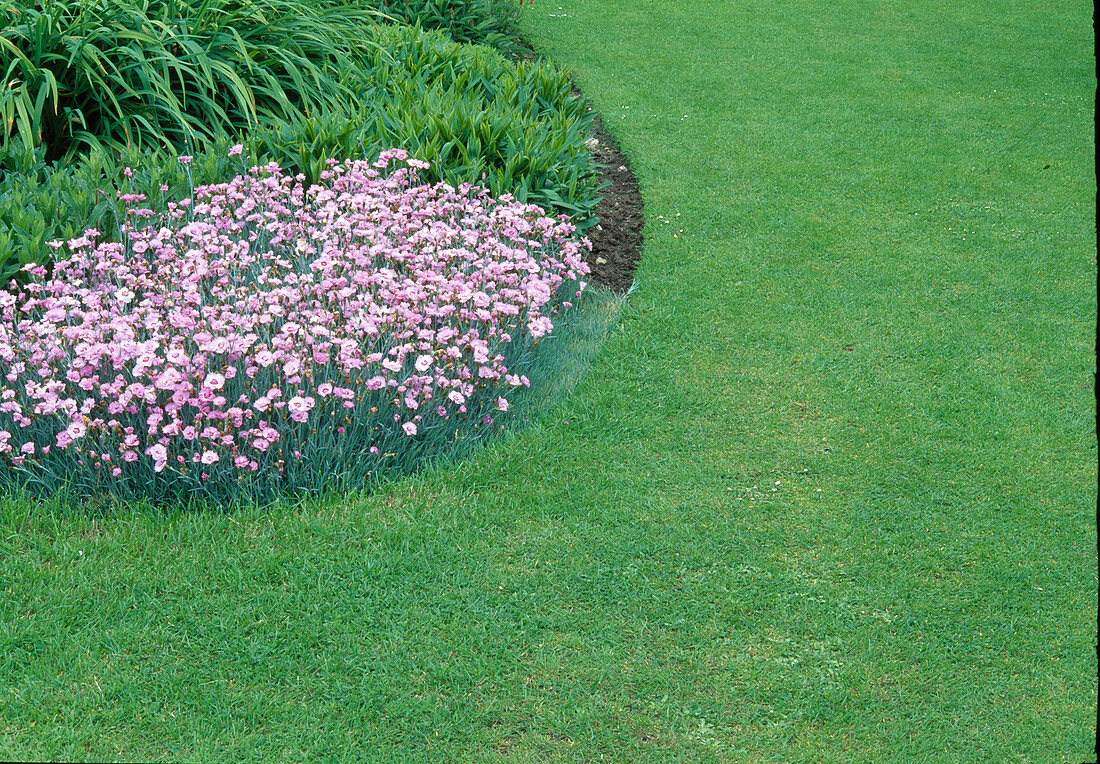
(827, 492)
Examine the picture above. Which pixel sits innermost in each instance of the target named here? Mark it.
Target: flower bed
(266, 338)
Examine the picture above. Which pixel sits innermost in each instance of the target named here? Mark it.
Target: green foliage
(41, 202)
(169, 73)
(484, 22)
(472, 114)
(44, 201)
(475, 116)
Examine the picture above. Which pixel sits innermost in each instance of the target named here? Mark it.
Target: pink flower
(502, 404)
(235, 150)
(540, 326)
(214, 381)
(159, 454)
(299, 407)
(209, 457)
(538, 291)
(409, 428)
(169, 379)
(216, 345)
(324, 389)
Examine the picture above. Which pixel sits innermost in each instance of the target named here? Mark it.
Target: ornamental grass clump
(267, 339)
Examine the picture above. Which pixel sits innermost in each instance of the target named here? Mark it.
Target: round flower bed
(265, 338)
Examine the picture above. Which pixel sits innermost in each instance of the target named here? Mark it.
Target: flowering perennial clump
(276, 337)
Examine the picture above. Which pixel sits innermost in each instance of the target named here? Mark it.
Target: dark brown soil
(617, 238)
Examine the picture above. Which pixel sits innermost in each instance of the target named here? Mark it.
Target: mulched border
(617, 238)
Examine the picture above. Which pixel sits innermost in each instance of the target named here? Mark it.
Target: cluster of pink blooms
(227, 333)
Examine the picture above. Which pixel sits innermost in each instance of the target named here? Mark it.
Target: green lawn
(826, 493)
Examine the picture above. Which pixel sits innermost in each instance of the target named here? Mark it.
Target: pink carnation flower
(299, 407)
(159, 454)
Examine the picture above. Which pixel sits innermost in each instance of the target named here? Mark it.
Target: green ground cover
(826, 493)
